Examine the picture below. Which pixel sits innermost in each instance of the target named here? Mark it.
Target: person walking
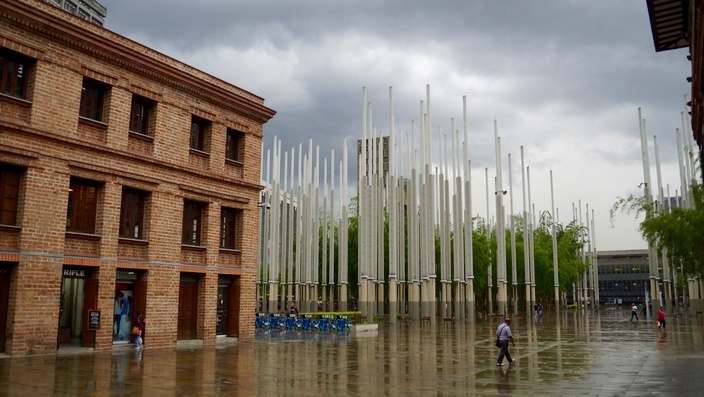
(634, 312)
(661, 318)
(504, 335)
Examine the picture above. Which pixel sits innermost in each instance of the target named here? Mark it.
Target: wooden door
(233, 310)
(90, 302)
(4, 300)
(187, 310)
(139, 303)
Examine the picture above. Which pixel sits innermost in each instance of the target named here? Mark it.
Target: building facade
(129, 183)
(376, 154)
(624, 278)
(90, 10)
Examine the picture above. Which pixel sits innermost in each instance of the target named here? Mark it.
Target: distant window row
(623, 269)
(14, 71)
(623, 286)
(83, 203)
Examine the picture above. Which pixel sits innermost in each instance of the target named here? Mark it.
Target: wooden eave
(697, 55)
(669, 23)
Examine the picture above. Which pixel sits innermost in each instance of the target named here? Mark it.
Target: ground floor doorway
(79, 294)
(130, 298)
(228, 308)
(5, 272)
(187, 307)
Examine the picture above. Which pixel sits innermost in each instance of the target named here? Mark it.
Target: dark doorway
(228, 308)
(4, 300)
(187, 307)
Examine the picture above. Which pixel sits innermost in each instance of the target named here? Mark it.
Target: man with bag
(503, 336)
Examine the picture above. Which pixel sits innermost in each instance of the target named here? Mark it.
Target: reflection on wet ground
(570, 353)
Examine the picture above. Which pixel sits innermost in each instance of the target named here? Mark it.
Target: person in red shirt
(661, 318)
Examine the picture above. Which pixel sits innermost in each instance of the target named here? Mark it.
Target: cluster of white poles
(424, 196)
(686, 167)
(298, 224)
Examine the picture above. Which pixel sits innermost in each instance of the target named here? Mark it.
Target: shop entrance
(187, 307)
(228, 306)
(130, 298)
(4, 301)
(79, 294)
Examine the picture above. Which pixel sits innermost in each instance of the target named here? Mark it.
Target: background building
(624, 277)
(129, 182)
(90, 10)
(377, 156)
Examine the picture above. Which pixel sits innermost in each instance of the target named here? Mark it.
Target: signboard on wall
(74, 273)
(93, 319)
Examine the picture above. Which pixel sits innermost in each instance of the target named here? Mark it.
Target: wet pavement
(566, 354)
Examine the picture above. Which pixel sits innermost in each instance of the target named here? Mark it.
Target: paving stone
(565, 354)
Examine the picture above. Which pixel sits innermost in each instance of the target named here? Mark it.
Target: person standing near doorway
(117, 314)
(504, 335)
(139, 326)
(124, 333)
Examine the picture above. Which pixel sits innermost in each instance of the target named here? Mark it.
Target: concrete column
(432, 301)
(414, 306)
(380, 299)
(471, 310)
(502, 298)
(557, 297)
(393, 300)
(343, 298)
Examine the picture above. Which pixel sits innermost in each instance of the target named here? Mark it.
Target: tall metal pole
(554, 246)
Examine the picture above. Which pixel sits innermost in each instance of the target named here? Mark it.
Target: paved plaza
(566, 354)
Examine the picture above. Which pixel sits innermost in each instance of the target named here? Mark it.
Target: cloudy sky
(563, 78)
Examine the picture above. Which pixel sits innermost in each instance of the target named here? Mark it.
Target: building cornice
(101, 43)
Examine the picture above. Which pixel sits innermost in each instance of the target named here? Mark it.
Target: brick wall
(44, 135)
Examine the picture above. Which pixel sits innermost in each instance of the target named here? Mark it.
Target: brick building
(129, 182)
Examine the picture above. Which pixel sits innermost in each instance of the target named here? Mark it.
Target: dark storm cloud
(563, 78)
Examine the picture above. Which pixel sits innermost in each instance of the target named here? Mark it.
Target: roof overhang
(669, 21)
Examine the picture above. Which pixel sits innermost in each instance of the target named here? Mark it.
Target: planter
(365, 329)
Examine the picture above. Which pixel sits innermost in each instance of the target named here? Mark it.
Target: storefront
(130, 298)
(79, 294)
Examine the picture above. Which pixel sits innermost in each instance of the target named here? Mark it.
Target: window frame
(93, 94)
(70, 6)
(10, 181)
(141, 123)
(199, 129)
(234, 145)
(13, 83)
(132, 213)
(192, 225)
(82, 209)
(230, 227)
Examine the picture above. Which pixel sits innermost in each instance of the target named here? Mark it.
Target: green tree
(677, 231)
